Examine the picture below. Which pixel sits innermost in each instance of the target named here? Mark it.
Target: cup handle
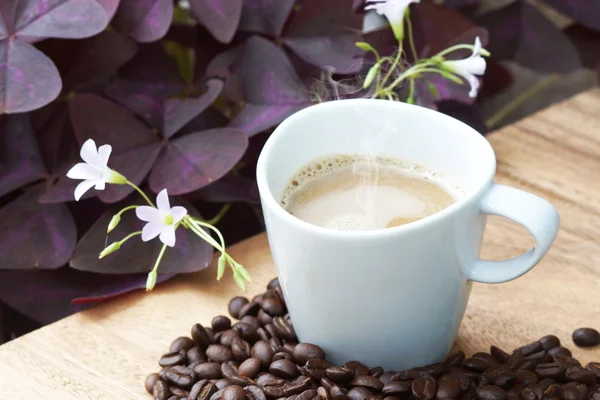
(536, 214)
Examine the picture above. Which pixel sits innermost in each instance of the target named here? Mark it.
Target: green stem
(127, 209)
(217, 218)
(411, 40)
(126, 238)
(160, 256)
(133, 185)
(520, 99)
(411, 92)
(453, 48)
(393, 67)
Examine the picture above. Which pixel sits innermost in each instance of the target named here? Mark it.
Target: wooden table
(106, 352)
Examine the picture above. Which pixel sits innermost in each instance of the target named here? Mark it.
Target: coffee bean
(586, 337)
(235, 305)
(423, 388)
(573, 391)
(551, 391)
(264, 379)
(195, 354)
(475, 364)
(160, 390)
(250, 309)
(309, 394)
(222, 383)
(289, 347)
(178, 357)
(526, 378)
(595, 368)
(322, 393)
(367, 381)
(242, 381)
(249, 319)
(357, 368)
(276, 345)
(469, 395)
(464, 379)
(233, 392)
(298, 385)
(491, 393)
(486, 357)
(220, 323)
(549, 342)
(228, 336)
(283, 368)
(528, 394)
(376, 372)
(530, 348)
(327, 383)
(359, 393)
(229, 369)
(200, 336)
(208, 370)
(253, 392)
(306, 351)
(219, 353)
(580, 375)
(339, 374)
(316, 367)
(270, 331)
(559, 351)
(180, 376)
(385, 377)
(274, 389)
(448, 389)
(499, 354)
(249, 368)
(550, 370)
(246, 331)
(181, 343)
(515, 359)
(527, 365)
(217, 395)
(263, 352)
(150, 382)
(455, 359)
(240, 349)
(264, 318)
(540, 356)
(282, 355)
(567, 361)
(273, 306)
(197, 388)
(284, 329)
(338, 393)
(180, 393)
(397, 387)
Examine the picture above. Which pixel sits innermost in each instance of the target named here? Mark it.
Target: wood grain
(105, 352)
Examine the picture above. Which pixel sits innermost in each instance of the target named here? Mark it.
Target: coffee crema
(358, 192)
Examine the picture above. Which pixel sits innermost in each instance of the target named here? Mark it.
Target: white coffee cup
(392, 297)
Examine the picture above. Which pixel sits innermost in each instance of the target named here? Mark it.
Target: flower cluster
(161, 219)
(459, 71)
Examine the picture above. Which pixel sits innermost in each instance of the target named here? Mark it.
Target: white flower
(394, 11)
(94, 170)
(161, 220)
(469, 67)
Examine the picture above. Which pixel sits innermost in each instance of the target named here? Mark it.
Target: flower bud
(221, 266)
(243, 272)
(110, 249)
(364, 46)
(151, 281)
(371, 75)
(239, 280)
(113, 222)
(116, 178)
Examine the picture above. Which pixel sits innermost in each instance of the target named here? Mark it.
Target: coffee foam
(381, 192)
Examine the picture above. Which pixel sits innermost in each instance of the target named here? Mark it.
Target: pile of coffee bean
(259, 358)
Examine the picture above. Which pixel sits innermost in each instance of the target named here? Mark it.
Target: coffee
(356, 193)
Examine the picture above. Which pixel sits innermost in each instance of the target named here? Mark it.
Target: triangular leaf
(28, 78)
(20, 159)
(144, 20)
(220, 17)
(227, 66)
(265, 16)
(193, 161)
(34, 235)
(231, 188)
(255, 118)
(586, 12)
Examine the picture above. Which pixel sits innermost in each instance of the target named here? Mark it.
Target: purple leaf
(73, 19)
(231, 188)
(220, 17)
(211, 118)
(255, 118)
(135, 147)
(324, 34)
(586, 12)
(470, 114)
(587, 43)
(144, 20)
(227, 66)
(34, 235)
(432, 88)
(47, 296)
(268, 75)
(189, 254)
(28, 79)
(265, 16)
(193, 161)
(521, 32)
(152, 64)
(20, 160)
(178, 112)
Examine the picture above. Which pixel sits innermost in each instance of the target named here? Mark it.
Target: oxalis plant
(389, 73)
(161, 219)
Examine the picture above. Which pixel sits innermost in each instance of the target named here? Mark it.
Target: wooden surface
(106, 352)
